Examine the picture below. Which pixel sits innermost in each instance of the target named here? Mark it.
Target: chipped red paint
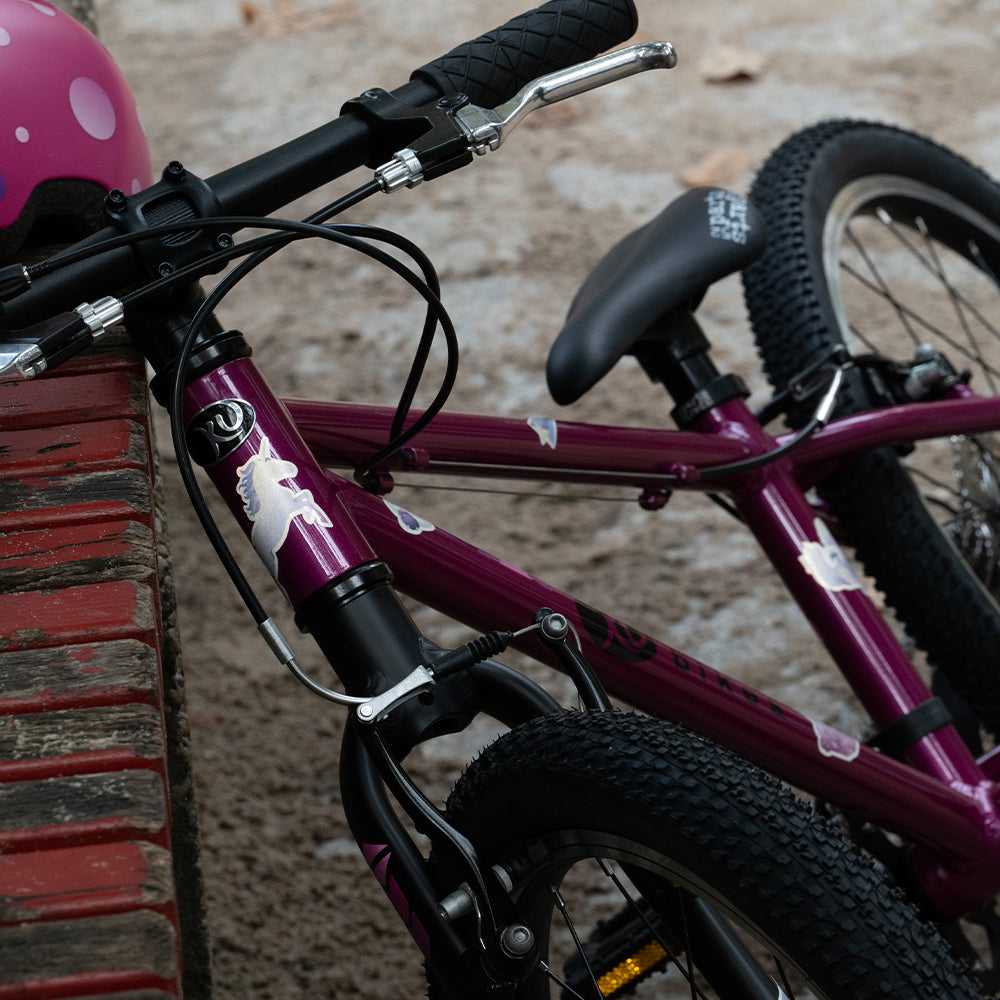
(56, 546)
(72, 881)
(91, 613)
(85, 762)
(51, 700)
(52, 402)
(87, 984)
(99, 444)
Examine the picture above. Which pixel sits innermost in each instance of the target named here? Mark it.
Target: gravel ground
(294, 911)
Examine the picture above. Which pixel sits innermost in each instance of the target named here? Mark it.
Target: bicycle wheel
(615, 829)
(881, 241)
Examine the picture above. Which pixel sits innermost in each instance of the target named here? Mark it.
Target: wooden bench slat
(28, 501)
(135, 728)
(114, 610)
(141, 943)
(80, 809)
(93, 396)
(65, 556)
(90, 880)
(75, 676)
(99, 444)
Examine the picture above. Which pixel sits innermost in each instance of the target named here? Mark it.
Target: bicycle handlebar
(489, 70)
(492, 68)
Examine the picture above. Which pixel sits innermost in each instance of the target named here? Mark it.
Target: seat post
(675, 352)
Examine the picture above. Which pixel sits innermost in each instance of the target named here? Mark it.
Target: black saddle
(666, 265)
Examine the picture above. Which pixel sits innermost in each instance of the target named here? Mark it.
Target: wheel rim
(587, 881)
(907, 264)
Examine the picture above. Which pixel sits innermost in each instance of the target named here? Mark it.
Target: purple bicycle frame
(311, 526)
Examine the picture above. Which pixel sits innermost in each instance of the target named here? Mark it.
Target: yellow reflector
(633, 967)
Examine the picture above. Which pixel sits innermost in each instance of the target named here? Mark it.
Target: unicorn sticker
(826, 563)
(271, 506)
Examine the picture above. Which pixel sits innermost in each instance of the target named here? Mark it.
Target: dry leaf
(728, 64)
(284, 17)
(722, 167)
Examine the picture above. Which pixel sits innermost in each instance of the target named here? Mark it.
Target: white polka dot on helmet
(69, 128)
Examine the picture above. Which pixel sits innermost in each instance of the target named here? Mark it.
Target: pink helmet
(69, 129)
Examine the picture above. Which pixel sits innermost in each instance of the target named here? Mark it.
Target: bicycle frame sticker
(272, 507)
(833, 743)
(546, 429)
(378, 857)
(826, 563)
(219, 429)
(727, 216)
(616, 638)
(411, 523)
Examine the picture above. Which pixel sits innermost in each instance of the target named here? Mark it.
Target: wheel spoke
(687, 971)
(560, 904)
(880, 285)
(956, 300)
(908, 315)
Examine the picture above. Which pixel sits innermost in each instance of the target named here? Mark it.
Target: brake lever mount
(455, 128)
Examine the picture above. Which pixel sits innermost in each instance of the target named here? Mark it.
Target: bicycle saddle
(670, 262)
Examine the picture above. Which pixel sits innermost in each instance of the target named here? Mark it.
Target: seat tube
(823, 583)
(288, 507)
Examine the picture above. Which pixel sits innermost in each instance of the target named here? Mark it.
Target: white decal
(411, 523)
(546, 429)
(826, 563)
(833, 743)
(271, 506)
(727, 216)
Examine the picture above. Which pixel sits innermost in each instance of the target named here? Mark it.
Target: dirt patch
(294, 911)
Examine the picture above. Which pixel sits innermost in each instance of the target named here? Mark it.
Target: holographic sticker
(272, 507)
(833, 743)
(411, 523)
(546, 429)
(826, 563)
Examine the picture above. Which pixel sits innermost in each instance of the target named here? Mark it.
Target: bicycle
(342, 594)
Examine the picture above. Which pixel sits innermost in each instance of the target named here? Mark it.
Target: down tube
(487, 593)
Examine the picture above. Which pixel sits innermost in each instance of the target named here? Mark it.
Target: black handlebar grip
(492, 68)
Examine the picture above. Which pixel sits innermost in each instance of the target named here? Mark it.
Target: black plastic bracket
(178, 197)
(909, 729)
(431, 131)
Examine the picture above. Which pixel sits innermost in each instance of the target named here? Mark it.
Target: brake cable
(437, 315)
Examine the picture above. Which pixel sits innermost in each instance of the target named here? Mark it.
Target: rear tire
(880, 240)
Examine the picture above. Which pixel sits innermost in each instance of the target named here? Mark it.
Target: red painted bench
(89, 902)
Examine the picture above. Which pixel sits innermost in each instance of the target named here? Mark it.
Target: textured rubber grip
(492, 68)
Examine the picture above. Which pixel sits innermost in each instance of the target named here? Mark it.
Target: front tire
(569, 805)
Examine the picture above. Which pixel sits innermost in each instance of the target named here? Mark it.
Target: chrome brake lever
(22, 357)
(53, 341)
(486, 129)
